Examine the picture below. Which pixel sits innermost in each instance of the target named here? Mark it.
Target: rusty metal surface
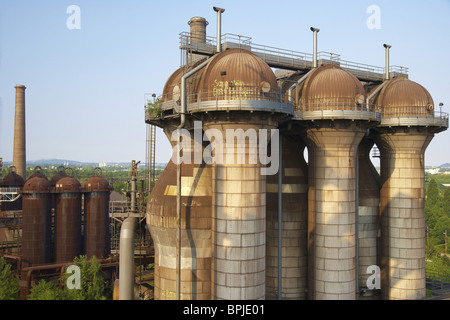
(68, 243)
(196, 223)
(330, 83)
(401, 96)
(234, 72)
(97, 233)
(36, 232)
(12, 180)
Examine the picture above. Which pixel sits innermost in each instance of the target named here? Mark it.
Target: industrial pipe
(182, 123)
(305, 76)
(387, 46)
(219, 27)
(280, 213)
(315, 31)
(126, 259)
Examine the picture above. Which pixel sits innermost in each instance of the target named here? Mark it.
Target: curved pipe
(126, 259)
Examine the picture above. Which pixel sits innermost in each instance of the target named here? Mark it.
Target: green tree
(446, 201)
(433, 209)
(92, 283)
(9, 284)
(45, 290)
(442, 224)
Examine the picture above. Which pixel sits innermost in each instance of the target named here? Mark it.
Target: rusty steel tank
(12, 181)
(36, 229)
(96, 204)
(68, 241)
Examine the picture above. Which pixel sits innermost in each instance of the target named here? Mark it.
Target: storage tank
(68, 239)
(96, 222)
(408, 125)
(240, 93)
(294, 226)
(333, 100)
(36, 229)
(195, 222)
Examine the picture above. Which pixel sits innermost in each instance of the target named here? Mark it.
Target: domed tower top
(333, 93)
(330, 85)
(237, 74)
(406, 103)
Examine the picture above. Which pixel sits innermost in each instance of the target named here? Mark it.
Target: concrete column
(239, 218)
(294, 224)
(331, 210)
(402, 198)
(368, 217)
(19, 152)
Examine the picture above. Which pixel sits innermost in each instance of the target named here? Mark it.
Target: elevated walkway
(288, 59)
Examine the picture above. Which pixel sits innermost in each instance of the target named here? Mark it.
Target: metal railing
(286, 57)
(414, 115)
(437, 281)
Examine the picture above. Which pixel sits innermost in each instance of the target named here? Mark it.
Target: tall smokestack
(19, 154)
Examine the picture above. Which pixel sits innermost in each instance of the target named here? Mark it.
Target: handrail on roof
(270, 51)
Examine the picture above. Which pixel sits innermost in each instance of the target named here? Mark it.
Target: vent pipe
(126, 259)
(19, 152)
(219, 27)
(315, 31)
(387, 46)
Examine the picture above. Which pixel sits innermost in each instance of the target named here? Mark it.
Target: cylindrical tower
(97, 237)
(333, 99)
(68, 243)
(195, 225)
(238, 80)
(19, 152)
(407, 127)
(294, 224)
(36, 230)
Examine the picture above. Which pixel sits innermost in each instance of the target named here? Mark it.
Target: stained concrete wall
(402, 203)
(331, 210)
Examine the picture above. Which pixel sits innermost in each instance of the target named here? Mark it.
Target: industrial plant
(324, 225)
(316, 228)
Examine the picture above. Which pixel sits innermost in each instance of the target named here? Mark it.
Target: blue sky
(85, 87)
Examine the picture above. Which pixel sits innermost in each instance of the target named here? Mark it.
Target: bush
(9, 284)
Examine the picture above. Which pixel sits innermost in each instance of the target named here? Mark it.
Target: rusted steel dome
(403, 97)
(328, 86)
(237, 74)
(68, 184)
(37, 184)
(97, 184)
(172, 88)
(12, 179)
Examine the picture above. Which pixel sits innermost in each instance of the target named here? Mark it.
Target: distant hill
(55, 162)
(445, 165)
